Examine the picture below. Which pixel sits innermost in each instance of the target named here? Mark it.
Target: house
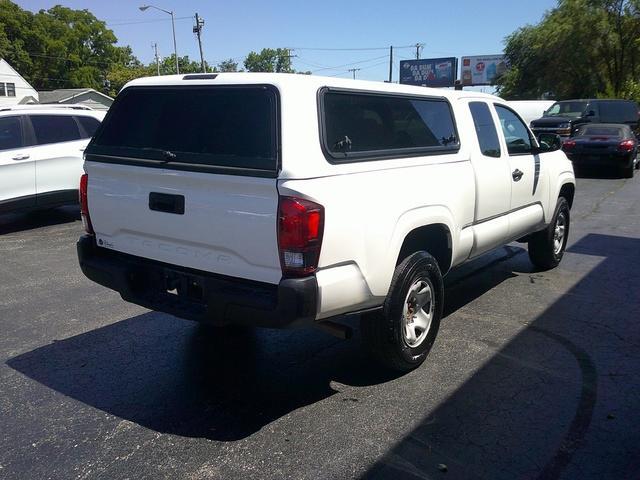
(82, 96)
(14, 89)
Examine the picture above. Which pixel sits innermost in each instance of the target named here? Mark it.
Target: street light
(173, 26)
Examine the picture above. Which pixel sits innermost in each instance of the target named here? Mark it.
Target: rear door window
(54, 128)
(89, 126)
(10, 133)
(187, 127)
(485, 129)
(362, 126)
(618, 112)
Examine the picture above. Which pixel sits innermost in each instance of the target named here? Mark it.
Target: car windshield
(592, 130)
(566, 109)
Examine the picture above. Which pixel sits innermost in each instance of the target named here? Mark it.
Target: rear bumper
(200, 296)
(611, 160)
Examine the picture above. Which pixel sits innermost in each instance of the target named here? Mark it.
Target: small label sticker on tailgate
(103, 242)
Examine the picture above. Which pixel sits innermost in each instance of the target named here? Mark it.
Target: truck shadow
(173, 376)
(525, 413)
(18, 222)
(556, 401)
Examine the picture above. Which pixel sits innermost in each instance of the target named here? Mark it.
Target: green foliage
(59, 47)
(227, 66)
(581, 48)
(269, 60)
(168, 65)
(119, 74)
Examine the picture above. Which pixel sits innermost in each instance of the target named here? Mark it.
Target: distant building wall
(13, 88)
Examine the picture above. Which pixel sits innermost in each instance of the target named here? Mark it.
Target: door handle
(21, 156)
(517, 175)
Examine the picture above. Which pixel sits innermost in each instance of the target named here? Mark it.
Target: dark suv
(565, 117)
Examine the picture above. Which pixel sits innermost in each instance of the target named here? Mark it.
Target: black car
(565, 118)
(604, 144)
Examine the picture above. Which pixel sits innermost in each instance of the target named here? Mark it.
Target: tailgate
(228, 225)
(187, 176)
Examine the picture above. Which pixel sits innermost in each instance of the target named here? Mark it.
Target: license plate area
(182, 286)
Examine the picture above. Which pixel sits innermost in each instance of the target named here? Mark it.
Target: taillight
(300, 228)
(569, 145)
(627, 146)
(84, 205)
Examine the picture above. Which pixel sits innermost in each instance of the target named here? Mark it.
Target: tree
(59, 47)
(119, 75)
(227, 66)
(581, 48)
(269, 60)
(168, 65)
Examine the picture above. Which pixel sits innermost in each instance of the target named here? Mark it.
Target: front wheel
(546, 247)
(401, 336)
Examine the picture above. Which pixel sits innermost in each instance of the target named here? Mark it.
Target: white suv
(41, 148)
(276, 200)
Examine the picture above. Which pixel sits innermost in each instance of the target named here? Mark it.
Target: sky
(327, 38)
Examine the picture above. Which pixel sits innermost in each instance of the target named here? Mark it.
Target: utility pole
(390, 63)
(154, 45)
(173, 27)
(197, 29)
(418, 47)
(289, 56)
(354, 70)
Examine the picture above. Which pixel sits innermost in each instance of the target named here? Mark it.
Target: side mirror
(549, 142)
(590, 113)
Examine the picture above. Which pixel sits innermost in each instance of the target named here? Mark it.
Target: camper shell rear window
(227, 129)
(361, 125)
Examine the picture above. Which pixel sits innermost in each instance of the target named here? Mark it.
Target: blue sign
(430, 72)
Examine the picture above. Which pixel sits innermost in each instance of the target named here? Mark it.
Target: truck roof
(292, 80)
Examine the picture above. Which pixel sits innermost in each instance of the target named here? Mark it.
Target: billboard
(482, 70)
(430, 72)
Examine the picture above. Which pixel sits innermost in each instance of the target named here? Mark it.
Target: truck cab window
(485, 129)
(515, 132)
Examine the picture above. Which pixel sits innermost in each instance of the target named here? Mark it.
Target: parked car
(565, 117)
(278, 200)
(41, 150)
(530, 110)
(604, 145)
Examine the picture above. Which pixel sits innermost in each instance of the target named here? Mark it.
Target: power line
(350, 49)
(337, 67)
(354, 70)
(349, 71)
(153, 20)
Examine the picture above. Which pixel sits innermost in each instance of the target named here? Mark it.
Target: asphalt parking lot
(533, 375)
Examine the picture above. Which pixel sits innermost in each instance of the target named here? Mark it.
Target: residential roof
(63, 94)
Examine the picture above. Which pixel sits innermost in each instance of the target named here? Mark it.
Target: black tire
(383, 332)
(542, 249)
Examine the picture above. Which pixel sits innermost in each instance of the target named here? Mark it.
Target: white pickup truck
(278, 200)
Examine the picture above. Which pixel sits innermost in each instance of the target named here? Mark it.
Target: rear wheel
(401, 335)
(546, 247)
(629, 170)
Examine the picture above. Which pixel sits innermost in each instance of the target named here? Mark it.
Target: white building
(13, 88)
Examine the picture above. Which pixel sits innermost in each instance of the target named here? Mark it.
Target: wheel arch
(434, 238)
(426, 228)
(568, 190)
